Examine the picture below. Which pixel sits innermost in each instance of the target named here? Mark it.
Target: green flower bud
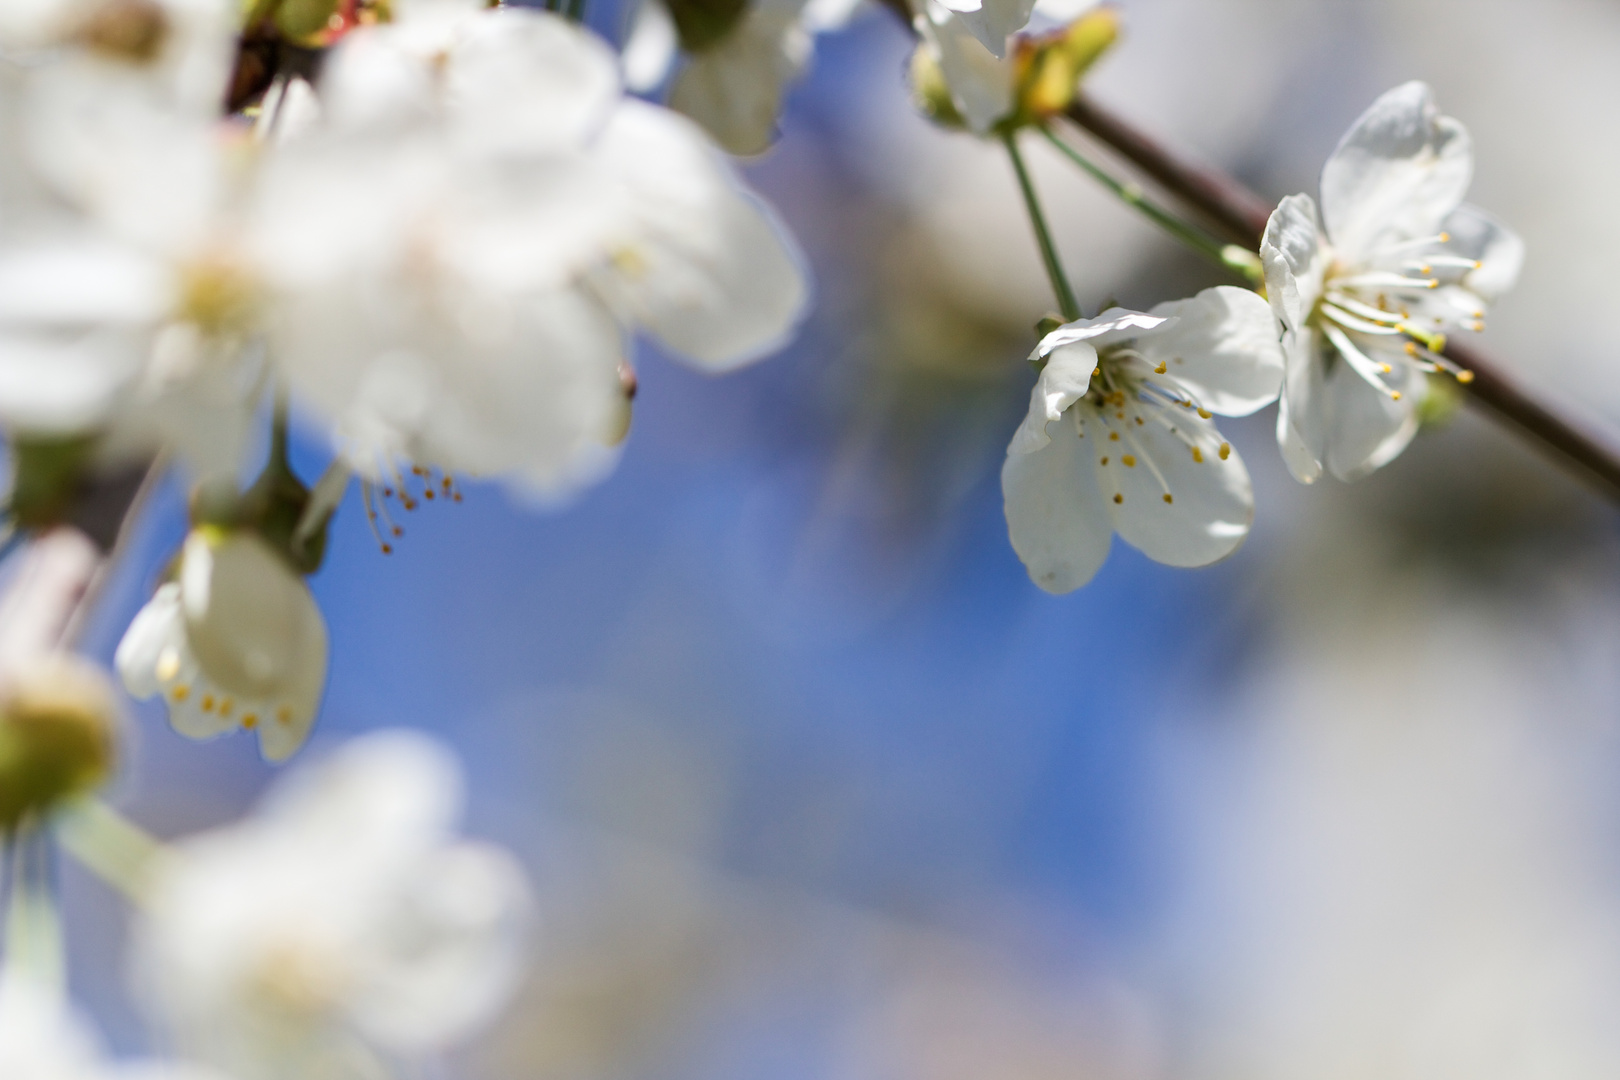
(58, 722)
(929, 90)
(1050, 67)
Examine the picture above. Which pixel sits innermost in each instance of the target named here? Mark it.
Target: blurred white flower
(42, 1038)
(235, 642)
(451, 253)
(1133, 450)
(123, 298)
(734, 89)
(1365, 297)
(342, 922)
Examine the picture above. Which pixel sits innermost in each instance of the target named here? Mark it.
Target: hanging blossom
(734, 85)
(455, 253)
(342, 927)
(968, 40)
(43, 1038)
(1119, 436)
(236, 642)
(124, 304)
(1367, 295)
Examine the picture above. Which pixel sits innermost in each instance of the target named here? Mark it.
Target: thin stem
(1043, 235)
(33, 930)
(1242, 214)
(111, 846)
(1240, 260)
(575, 10)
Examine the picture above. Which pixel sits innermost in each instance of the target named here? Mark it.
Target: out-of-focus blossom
(124, 300)
(42, 1038)
(1119, 439)
(455, 252)
(236, 642)
(342, 924)
(1365, 297)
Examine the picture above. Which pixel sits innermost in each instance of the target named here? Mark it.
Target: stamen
(1358, 361)
(1384, 279)
(1350, 322)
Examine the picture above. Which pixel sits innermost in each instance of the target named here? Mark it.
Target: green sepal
(703, 24)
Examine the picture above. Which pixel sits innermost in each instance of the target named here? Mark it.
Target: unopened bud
(58, 721)
(929, 90)
(1050, 67)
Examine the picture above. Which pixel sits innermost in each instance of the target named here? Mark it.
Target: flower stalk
(1241, 214)
(1043, 234)
(1235, 257)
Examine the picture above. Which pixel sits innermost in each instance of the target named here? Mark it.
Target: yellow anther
(225, 706)
(1198, 455)
(1104, 461)
(1465, 376)
(1445, 238)
(1140, 421)
(1433, 283)
(1426, 269)
(1161, 369)
(1130, 462)
(284, 715)
(1113, 436)
(1203, 414)
(1118, 498)
(1478, 264)
(1385, 368)
(1394, 395)
(1226, 450)
(250, 721)
(168, 665)
(1167, 497)
(1411, 349)
(181, 692)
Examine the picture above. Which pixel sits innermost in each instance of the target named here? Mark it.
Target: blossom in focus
(1119, 436)
(235, 642)
(968, 39)
(456, 253)
(1367, 294)
(342, 923)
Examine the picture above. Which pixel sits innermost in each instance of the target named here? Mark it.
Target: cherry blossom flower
(1367, 295)
(236, 642)
(342, 925)
(457, 251)
(968, 39)
(1119, 436)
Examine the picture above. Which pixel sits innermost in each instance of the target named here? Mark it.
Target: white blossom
(968, 38)
(236, 642)
(1366, 296)
(1119, 436)
(456, 253)
(342, 925)
(123, 299)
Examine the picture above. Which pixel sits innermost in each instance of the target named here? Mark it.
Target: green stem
(33, 931)
(1054, 269)
(278, 432)
(1230, 256)
(575, 10)
(111, 846)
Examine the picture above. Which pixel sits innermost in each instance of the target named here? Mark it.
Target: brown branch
(1242, 214)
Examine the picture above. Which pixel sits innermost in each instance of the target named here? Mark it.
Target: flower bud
(1050, 67)
(929, 90)
(57, 736)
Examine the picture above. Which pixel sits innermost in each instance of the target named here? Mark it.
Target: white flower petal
(650, 50)
(708, 269)
(1211, 501)
(1113, 325)
(1063, 381)
(1499, 250)
(1222, 346)
(1369, 428)
(1397, 173)
(1056, 516)
(989, 21)
(1303, 409)
(156, 628)
(1292, 256)
(980, 81)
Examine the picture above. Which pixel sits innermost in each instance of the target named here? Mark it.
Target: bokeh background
(813, 783)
